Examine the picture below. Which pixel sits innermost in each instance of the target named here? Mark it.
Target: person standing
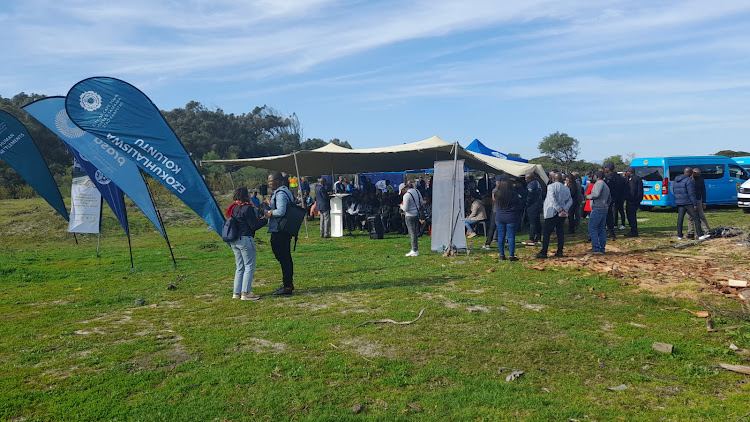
(574, 214)
(412, 201)
(556, 206)
(246, 215)
(599, 199)
(684, 199)
(533, 206)
(492, 230)
(340, 186)
(323, 205)
(304, 187)
(616, 185)
(508, 206)
(633, 196)
(280, 242)
(700, 199)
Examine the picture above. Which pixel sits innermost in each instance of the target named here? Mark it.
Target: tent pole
(453, 197)
(304, 206)
(98, 242)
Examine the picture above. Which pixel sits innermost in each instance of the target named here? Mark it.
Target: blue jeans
(503, 230)
(244, 257)
(469, 222)
(598, 229)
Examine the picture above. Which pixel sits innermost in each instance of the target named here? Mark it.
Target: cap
(498, 178)
(610, 166)
(401, 187)
(630, 170)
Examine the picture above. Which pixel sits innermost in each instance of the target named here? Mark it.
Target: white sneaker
(412, 253)
(705, 236)
(622, 227)
(236, 296)
(680, 238)
(485, 246)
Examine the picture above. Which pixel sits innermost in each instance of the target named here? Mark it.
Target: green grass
(74, 346)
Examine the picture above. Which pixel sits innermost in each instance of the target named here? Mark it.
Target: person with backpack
(240, 230)
(413, 215)
(281, 198)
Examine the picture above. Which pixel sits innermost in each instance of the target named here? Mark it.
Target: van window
(708, 171)
(736, 172)
(650, 174)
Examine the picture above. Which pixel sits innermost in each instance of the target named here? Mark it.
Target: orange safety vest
(293, 182)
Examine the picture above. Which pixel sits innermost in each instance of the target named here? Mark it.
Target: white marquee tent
(333, 159)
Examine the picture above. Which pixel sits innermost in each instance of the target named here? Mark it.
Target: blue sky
(623, 77)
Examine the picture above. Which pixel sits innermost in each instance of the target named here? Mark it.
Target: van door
(652, 177)
(737, 176)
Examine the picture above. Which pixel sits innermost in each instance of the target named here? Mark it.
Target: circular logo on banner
(101, 178)
(62, 123)
(497, 154)
(657, 186)
(91, 101)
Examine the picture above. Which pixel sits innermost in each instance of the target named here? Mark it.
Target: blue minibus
(723, 177)
(744, 162)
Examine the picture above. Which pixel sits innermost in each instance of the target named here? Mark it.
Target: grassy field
(74, 345)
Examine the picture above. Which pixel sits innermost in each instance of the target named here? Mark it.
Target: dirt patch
(259, 345)
(173, 353)
(660, 270)
(369, 349)
(440, 299)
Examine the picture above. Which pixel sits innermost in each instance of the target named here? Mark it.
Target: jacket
(322, 200)
(511, 214)
(558, 199)
(700, 188)
(411, 203)
(247, 216)
(279, 200)
(684, 191)
(634, 192)
(587, 205)
(600, 196)
(534, 194)
(616, 184)
(478, 213)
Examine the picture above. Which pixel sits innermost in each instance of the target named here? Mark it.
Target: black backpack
(231, 229)
(291, 222)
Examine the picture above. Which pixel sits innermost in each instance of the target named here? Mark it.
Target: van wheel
(646, 207)
(746, 210)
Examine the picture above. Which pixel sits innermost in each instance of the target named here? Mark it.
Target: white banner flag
(85, 207)
(448, 206)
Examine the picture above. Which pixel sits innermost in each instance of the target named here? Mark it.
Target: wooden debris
(414, 406)
(699, 314)
(390, 321)
(618, 388)
(744, 295)
(737, 283)
(490, 270)
(710, 326)
(742, 369)
(602, 295)
(662, 347)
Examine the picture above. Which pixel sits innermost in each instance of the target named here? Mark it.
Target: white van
(743, 197)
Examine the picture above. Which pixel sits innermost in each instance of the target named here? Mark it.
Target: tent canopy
(481, 148)
(333, 159)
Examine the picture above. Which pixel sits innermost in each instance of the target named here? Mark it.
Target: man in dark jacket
(323, 205)
(683, 189)
(534, 201)
(700, 198)
(616, 185)
(633, 196)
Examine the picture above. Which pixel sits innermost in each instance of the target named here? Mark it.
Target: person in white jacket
(410, 205)
(555, 209)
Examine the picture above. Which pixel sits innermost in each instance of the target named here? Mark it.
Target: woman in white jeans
(246, 215)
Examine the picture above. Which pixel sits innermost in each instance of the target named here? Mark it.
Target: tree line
(206, 134)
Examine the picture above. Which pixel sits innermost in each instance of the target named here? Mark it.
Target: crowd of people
(604, 197)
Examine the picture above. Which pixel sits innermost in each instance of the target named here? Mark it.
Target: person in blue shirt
(280, 242)
(304, 187)
(255, 200)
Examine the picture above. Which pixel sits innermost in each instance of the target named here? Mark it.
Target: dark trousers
(282, 250)
(491, 230)
(574, 217)
(556, 224)
(535, 226)
(619, 211)
(611, 218)
(631, 209)
(681, 211)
